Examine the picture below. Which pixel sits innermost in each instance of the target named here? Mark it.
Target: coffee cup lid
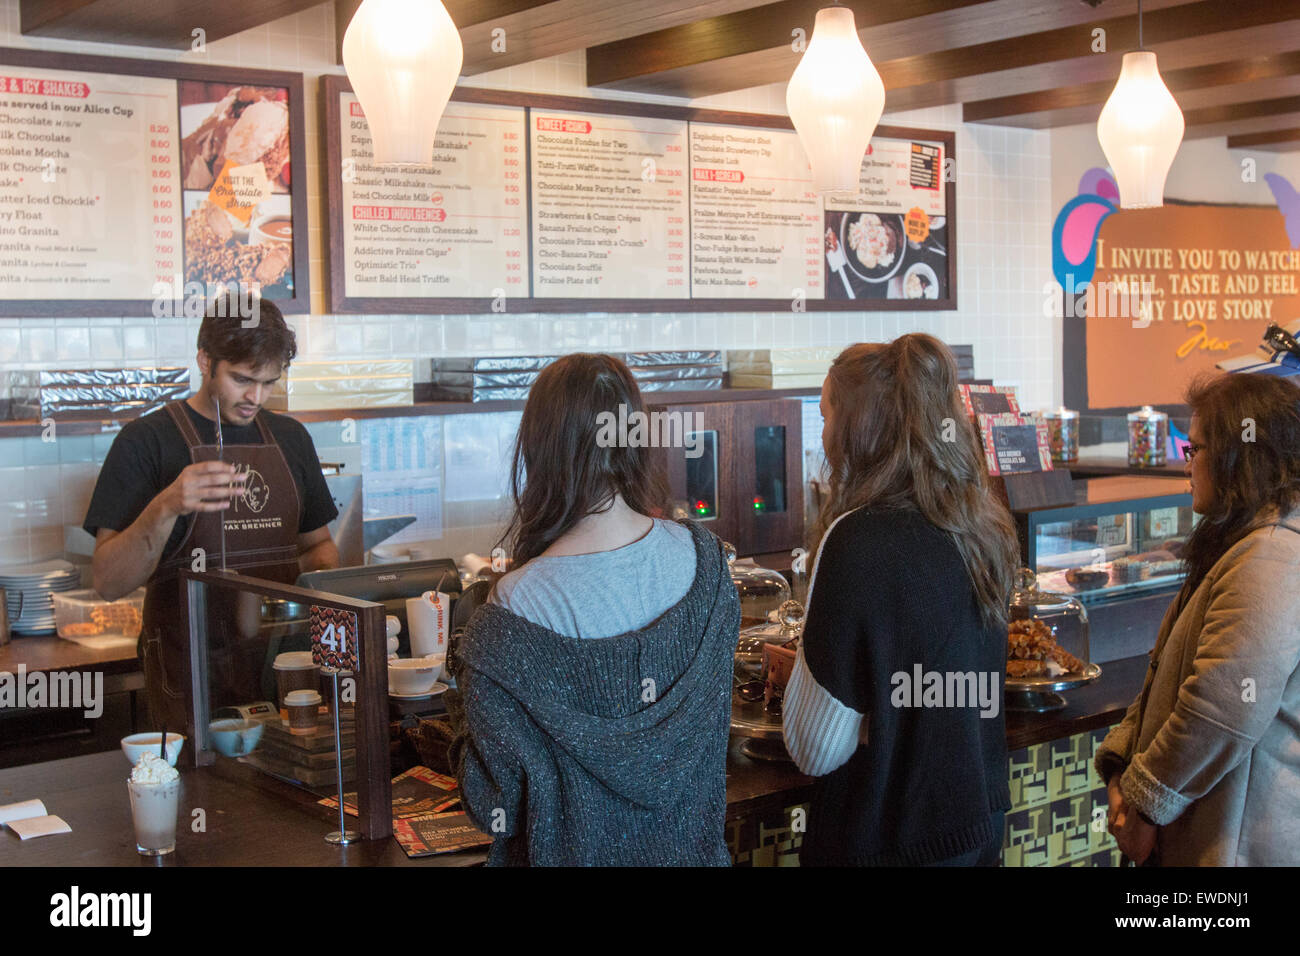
(293, 661)
(299, 698)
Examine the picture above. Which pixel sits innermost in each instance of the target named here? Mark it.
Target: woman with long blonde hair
(895, 703)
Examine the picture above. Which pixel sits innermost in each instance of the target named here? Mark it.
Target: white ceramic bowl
(136, 745)
(235, 737)
(416, 675)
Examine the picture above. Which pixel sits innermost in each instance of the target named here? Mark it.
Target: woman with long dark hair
(1205, 767)
(895, 700)
(595, 686)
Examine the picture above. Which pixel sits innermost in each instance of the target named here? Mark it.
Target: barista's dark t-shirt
(149, 454)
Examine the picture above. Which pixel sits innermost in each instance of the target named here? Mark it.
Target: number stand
(342, 836)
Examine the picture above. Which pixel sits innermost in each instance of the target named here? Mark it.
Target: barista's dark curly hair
(246, 329)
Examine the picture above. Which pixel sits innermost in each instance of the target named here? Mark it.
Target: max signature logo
(256, 492)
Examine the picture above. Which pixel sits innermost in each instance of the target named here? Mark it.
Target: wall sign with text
(556, 204)
(129, 187)
(1176, 289)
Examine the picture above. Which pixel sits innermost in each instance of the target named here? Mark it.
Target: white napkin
(28, 819)
(21, 811)
(39, 826)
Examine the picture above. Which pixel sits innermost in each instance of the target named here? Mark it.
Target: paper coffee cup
(304, 708)
(428, 618)
(294, 671)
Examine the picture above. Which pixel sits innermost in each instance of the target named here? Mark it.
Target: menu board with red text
(756, 221)
(629, 206)
(457, 228)
(609, 206)
(129, 186)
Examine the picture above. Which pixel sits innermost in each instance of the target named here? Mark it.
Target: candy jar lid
(1059, 413)
(1146, 412)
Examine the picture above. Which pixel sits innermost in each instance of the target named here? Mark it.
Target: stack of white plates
(27, 590)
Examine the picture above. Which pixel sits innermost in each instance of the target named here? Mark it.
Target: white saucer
(437, 689)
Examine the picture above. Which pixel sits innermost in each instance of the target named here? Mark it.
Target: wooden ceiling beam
(1276, 141)
(1202, 50)
(501, 33)
(169, 24)
(1041, 109)
(1243, 127)
(1241, 111)
(727, 54)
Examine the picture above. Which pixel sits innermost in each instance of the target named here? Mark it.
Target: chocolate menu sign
(458, 228)
(127, 185)
(755, 217)
(549, 204)
(609, 206)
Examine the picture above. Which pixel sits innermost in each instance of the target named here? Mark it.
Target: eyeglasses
(1191, 451)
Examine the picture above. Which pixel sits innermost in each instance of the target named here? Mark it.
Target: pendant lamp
(1140, 129)
(835, 99)
(402, 58)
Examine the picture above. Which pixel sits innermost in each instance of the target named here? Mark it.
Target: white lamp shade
(1140, 129)
(835, 99)
(403, 58)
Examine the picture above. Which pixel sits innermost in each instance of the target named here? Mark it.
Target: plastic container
(1063, 434)
(1148, 434)
(84, 613)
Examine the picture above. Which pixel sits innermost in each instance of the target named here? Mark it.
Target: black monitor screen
(388, 584)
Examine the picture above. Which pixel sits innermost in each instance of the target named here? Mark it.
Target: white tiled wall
(1003, 224)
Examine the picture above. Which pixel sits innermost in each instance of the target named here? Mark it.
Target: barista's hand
(204, 486)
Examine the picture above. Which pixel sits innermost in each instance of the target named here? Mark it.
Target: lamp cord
(1140, 47)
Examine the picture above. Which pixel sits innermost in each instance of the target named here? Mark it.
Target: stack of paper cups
(428, 620)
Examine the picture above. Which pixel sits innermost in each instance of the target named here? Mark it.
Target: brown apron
(261, 540)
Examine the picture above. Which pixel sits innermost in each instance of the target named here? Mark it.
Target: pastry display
(1086, 578)
(1130, 570)
(1170, 566)
(1032, 651)
(124, 619)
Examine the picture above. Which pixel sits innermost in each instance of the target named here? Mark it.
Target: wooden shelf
(30, 427)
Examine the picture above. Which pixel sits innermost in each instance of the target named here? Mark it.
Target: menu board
(131, 187)
(454, 229)
(609, 205)
(756, 221)
(891, 240)
(631, 207)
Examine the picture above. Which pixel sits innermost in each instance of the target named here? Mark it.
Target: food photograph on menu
(237, 186)
(890, 241)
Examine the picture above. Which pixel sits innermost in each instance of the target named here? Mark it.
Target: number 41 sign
(334, 638)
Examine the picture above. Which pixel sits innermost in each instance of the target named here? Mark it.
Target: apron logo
(256, 492)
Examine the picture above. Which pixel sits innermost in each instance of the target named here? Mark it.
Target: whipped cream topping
(153, 769)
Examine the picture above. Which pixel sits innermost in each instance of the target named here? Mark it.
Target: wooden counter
(267, 825)
(253, 820)
(258, 821)
(50, 653)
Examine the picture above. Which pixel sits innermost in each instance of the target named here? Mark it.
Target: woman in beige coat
(1204, 769)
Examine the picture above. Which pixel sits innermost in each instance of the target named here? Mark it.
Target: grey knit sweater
(607, 752)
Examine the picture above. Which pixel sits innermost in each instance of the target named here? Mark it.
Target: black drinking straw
(162, 748)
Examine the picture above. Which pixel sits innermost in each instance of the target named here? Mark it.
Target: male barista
(163, 493)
